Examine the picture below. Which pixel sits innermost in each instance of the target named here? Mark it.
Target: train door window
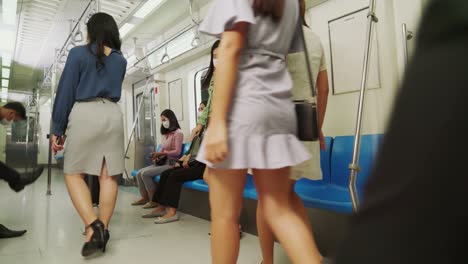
(139, 106)
(201, 95)
(144, 105)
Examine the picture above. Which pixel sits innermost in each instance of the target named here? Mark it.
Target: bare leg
(265, 236)
(279, 214)
(107, 196)
(265, 233)
(206, 176)
(81, 198)
(226, 188)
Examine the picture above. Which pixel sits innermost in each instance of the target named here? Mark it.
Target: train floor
(55, 231)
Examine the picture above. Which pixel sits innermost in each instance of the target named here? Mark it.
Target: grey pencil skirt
(95, 134)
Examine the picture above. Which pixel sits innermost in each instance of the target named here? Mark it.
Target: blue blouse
(81, 81)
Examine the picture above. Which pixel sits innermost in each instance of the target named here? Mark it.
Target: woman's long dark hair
(269, 8)
(173, 123)
(209, 74)
(102, 31)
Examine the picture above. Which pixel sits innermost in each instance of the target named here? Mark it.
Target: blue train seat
(335, 196)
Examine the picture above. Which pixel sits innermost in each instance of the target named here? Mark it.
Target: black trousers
(94, 188)
(8, 174)
(415, 210)
(169, 187)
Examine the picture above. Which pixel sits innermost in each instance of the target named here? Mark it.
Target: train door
(146, 104)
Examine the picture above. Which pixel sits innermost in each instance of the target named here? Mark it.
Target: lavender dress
(262, 121)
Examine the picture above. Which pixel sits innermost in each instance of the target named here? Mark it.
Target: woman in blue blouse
(86, 114)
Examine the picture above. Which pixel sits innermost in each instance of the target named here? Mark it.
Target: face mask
(215, 62)
(166, 124)
(199, 114)
(6, 122)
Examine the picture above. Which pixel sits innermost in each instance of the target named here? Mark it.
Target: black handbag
(160, 160)
(306, 111)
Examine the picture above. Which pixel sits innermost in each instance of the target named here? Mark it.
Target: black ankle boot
(96, 243)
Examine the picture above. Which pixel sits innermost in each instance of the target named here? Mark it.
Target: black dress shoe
(18, 181)
(7, 233)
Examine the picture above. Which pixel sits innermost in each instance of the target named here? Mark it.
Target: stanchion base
(49, 193)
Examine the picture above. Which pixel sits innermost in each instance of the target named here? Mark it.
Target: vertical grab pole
(28, 111)
(98, 6)
(354, 166)
(52, 90)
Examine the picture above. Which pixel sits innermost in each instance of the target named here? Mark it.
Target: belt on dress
(264, 52)
(96, 99)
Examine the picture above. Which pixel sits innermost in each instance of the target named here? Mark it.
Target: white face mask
(166, 124)
(6, 122)
(215, 62)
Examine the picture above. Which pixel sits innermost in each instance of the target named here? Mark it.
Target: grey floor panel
(54, 232)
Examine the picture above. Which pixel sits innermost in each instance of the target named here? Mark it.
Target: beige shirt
(297, 65)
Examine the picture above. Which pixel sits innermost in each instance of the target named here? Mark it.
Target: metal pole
(52, 90)
(132, 133)
(28, 111)
(354, 166)
(98, 6)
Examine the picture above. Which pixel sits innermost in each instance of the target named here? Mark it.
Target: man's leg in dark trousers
(11, 176)
(415, 206)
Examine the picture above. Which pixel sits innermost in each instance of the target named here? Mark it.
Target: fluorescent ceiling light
(6, 60)
(9, 11)
(8, 38)
(6, 73)
(5, 83)
(125, 29)
(148, 7)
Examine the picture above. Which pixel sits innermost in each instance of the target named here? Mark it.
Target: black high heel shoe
(106, 239)
(96, 243)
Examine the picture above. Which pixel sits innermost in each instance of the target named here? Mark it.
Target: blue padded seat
(249, 190)
(199, 185)
(342, 156)
(335, 196)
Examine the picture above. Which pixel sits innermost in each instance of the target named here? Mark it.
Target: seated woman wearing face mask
(171, 148)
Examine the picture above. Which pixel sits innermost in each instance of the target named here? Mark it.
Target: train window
(139, 110)
(200, 94)
(21, 132)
